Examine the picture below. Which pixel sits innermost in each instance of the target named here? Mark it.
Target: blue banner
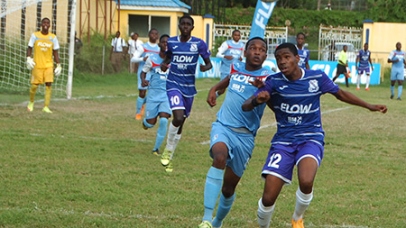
(328, 67)
(263, 12)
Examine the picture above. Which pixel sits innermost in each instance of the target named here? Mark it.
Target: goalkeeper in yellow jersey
(43, 45)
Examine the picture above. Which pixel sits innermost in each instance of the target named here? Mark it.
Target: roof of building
(155, 3)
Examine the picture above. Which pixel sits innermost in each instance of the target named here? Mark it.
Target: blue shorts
(178, 102)
(240, 146)
(397, 74)
(282, 158)
(367, 71)
(152, 109)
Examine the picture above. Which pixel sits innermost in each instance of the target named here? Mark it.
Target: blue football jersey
(184, 60)
(149, 49)
(296, 105)
(238, 91)
(304, 57)
(363, 58)
(157, 80)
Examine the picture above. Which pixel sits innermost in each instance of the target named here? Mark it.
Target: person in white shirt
(118, 47)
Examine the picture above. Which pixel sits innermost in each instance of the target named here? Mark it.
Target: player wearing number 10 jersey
(183, 54)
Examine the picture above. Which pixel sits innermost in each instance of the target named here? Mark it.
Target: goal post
(19, 19)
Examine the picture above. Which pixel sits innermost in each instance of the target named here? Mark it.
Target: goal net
(19, 19)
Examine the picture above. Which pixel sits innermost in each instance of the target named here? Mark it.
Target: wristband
(254, 102)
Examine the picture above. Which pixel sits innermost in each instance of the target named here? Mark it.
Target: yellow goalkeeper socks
(33, 90)
(47, 96)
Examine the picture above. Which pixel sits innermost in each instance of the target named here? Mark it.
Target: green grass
(89, 164)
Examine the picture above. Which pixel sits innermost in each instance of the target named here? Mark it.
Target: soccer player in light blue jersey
(302, 51)
(157, 104)
(294, 96)
(230, 52)
(232, 135)
(397, 58)
(183, 54)
(362, 63)
(140, 56)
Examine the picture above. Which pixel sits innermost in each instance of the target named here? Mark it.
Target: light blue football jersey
(234, 49)
(184, 60)
(157, 80)
(296, 105)
(149, 49)
(397, 55)
(238, 91)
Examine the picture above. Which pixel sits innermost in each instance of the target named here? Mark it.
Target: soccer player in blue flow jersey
(230, 51)
(364, 59)
(157, 103)
(397, 58)
(294, 96)
(183, 54)
(140, 56)
(232, 135)
(303, 53)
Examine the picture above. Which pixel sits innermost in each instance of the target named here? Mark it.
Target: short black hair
(153, 29)
(163, 36)
(45, 18)
(300, 33)
(255, 38)
(187, 16)
(235, 30)
(292, 48)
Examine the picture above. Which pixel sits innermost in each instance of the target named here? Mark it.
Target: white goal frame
(19, 19)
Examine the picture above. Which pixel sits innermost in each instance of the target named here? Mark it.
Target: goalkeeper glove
(30, 63)
(58, 70)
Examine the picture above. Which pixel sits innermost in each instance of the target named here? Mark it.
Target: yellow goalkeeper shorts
(42, 75)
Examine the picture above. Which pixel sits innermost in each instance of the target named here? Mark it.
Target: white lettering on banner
(296, 108)
(182, 59)
(322, 67)
(264, 14)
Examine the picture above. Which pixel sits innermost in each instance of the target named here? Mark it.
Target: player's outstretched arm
(350, 98)
(254, 101)
(211, 97)
(207, 65)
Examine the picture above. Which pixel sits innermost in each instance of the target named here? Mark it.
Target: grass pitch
(89, 164)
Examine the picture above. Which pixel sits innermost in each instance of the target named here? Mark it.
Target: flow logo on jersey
(313, 86)
(182, 59)
(296, 108)
(246, 78)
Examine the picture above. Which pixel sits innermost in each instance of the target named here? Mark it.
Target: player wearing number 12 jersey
(294, 96)
(183, 55)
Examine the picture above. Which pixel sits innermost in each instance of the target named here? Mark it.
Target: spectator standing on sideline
(397, 58)
(233, 133)
(78, 45)
(303, 52)
(342, 65)
(44, 46)
(183, 55)
(117, 53)
(230, 52)
(141, 55)
(131, 50)
(364, 60)
(157, 104)
(299, 139)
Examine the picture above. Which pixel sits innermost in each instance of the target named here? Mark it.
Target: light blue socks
(161, 132)
(212, 188)
(223, 209)
(139, 103)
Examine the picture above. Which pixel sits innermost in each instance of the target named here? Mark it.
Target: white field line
(91, 138)
(274, 124)
(84, 98)
(71, 211)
